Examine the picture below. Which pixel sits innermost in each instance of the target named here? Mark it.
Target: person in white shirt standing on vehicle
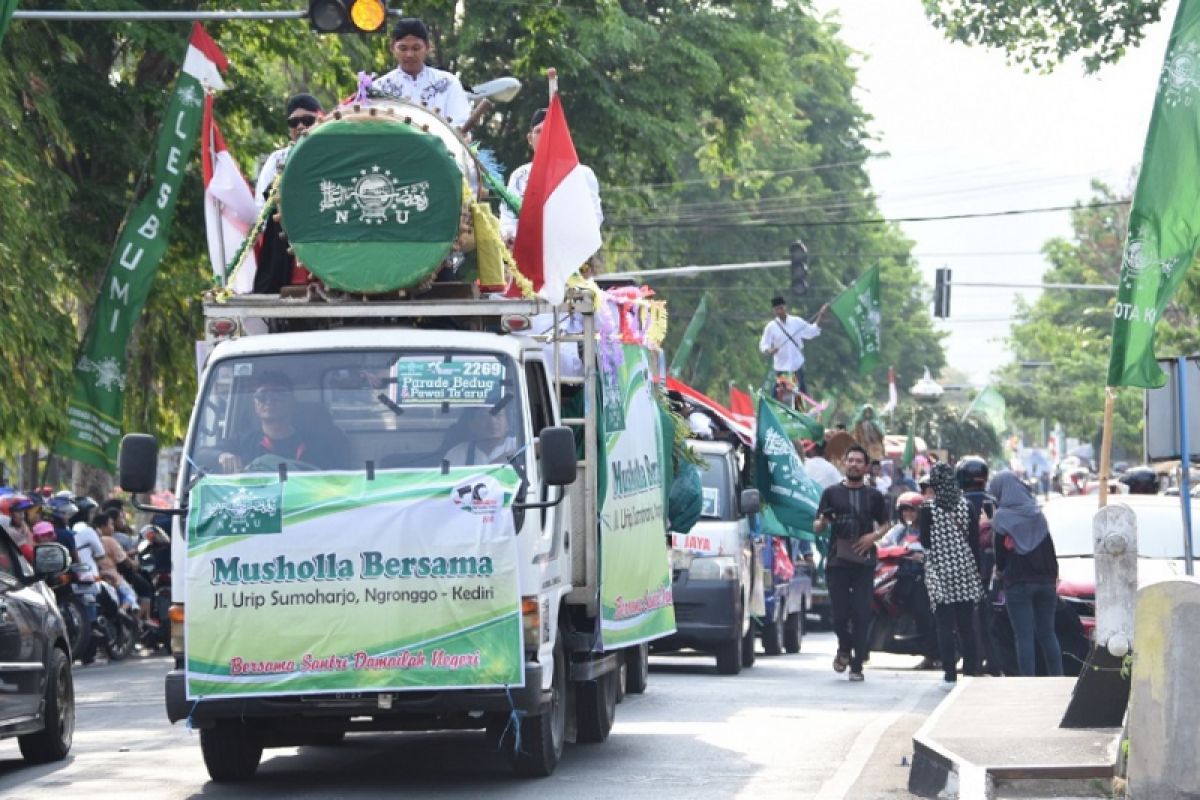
(418, 82)
(783, 339)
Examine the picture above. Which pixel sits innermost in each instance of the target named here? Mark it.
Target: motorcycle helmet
(86, 506)
(43, 532)
(14, 503)
(909, 500)
(61, 509)
(972, 473)
(154, 534)
(1141, 480)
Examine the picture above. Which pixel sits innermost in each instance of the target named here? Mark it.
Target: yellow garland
(224, 293)
(510, 266)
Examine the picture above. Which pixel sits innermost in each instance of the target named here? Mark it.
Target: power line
(872, 221)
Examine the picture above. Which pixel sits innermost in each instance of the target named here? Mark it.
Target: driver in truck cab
(488, 440)
(277, 433)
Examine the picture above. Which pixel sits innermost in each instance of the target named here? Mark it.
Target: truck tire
(232, 750)
(637, 674)
(595, 708)
(772, 632)
(729, 657)
(53, 741)
(793, 630)
(748, 646)
(542, 736)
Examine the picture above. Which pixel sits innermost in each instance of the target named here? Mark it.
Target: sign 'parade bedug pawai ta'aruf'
(635, 595)
(331, 582)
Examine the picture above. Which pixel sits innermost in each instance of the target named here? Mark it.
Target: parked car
(37, 695)
(716, 580)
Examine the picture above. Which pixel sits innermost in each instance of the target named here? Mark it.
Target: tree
(942, 427)
(1043, 33)
(1067, 334)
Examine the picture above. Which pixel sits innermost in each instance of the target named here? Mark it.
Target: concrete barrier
(1164, 737)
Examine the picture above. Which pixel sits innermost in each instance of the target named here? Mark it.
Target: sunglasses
(307, 120)
(272, 395)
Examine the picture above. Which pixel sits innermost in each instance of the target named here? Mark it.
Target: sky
(964, 132)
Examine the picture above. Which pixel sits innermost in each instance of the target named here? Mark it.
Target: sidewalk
(999, 737)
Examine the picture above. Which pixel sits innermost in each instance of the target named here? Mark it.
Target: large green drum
(371, 202)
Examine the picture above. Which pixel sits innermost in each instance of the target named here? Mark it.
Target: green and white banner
(97, 396)
(330, 582)
(789, 497)
(635, 574)
(859, 311)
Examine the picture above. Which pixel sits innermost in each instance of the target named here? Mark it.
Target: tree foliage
(692, 112)
(1043, 33)
(942, 426)
(1061, 345)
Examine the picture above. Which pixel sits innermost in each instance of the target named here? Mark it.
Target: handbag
(843, 550)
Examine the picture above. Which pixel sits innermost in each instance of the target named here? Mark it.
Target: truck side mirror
(750, 502)
(50, 560)
(558, 456)
(137, 466)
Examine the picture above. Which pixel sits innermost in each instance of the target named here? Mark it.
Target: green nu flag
(1164, 222)
(990, 405)
(97, 397)
(7, 7)
(910, 450)
(797, 425)
(859, 311)
(688, 342)
(789, 497)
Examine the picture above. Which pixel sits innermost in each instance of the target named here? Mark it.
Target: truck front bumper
(705, 614)
(373, 710)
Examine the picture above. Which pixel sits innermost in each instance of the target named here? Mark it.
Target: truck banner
(635, 574)
(331, 582)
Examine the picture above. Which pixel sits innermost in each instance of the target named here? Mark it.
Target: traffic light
(799, 254)
(941, 293)
(347, 16)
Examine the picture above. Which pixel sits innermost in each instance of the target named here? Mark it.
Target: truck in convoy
(398, 509)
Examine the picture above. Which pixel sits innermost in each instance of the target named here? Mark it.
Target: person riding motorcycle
(910, 590)
(1141, 480)
(13, 507)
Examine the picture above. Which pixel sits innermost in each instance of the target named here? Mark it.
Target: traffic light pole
(156, 16)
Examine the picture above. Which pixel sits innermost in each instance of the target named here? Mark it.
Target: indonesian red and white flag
(558, 228)
(893, 396)
(204, 60)
(229, 208)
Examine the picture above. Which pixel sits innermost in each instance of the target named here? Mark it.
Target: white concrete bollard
(1114, 536)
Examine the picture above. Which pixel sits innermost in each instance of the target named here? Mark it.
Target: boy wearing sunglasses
(303, 112)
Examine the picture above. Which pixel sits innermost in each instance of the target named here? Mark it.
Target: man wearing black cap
(303, 111)
(783, 340)
(418, 82)
(520, 179)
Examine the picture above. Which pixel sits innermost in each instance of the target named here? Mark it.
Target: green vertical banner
(789, 497)
(7, 7)
(688, 342)
(1163, 231)
(990, 405)
(635, 576)
(97, 396)
(910, 449)
(859, 311)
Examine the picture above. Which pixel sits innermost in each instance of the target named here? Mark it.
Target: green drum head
(371, 204)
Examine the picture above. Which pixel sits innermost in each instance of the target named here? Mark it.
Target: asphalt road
(788, 727)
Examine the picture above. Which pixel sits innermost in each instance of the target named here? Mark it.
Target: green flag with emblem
(789, 497)
(910, 450)
(1164, 233)
(858, 310)
(97, 398)
(797, 425)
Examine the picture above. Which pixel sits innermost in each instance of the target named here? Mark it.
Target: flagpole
(552, 78)
(1106, 443)
(212, 156)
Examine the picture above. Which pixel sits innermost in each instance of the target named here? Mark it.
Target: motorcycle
(901, 619)
(76, 602)
(155, 631)
(114, 629)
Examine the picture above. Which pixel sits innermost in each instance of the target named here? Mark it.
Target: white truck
(387, 520)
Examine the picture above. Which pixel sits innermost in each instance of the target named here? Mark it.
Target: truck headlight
(531, 623)
(713, 568)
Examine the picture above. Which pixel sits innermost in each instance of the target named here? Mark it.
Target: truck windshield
(718, 493)
(339, 410)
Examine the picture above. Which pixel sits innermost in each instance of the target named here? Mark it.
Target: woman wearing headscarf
(1026, 559)
(951, 576)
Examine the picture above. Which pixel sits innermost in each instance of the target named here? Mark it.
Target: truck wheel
(729, 657)
(772, 633)
(542, 736)
(595, 708)
(748, 645)
(53, 741)
(793, 631)
(637, 662)
(232, 750)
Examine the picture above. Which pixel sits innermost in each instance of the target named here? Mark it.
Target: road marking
(839, 785)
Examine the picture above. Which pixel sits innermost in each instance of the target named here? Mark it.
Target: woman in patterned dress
(951, 575)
